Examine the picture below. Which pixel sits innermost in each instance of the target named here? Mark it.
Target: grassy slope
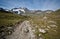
(37, 21)
(7, 19)
(56, 17)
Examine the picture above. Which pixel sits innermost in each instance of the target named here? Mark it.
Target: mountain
(20, 10)
(48, 11)
(14, 26)
(1, 9)
(25, 11)
(38, 11)
(8, 22)
(5, 10)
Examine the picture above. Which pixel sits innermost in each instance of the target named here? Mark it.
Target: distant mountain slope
(20, 10)
(24, 11)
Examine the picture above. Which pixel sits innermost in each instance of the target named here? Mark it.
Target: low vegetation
(8, 22)
(44, 21)
(49, 22)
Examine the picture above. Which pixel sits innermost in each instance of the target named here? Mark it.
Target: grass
(7, 19)
(38, 20)
(10, 19)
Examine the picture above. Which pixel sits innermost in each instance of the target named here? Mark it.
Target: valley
(30, 25)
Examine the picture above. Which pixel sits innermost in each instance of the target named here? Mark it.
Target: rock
(45, 18)
(33, 30)
(40, 34)
(48, 27)
(10, 28)
(36, 26)
(26, 30)
(53, 26)
(42, 30)
(40, 38)
(52, 22)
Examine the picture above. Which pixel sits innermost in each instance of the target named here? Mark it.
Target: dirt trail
(23, 31)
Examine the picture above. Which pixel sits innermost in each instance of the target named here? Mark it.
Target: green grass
(7, 19)
(38, 20)
(10, 19)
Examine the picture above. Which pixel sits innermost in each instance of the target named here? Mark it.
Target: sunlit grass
(7, 19)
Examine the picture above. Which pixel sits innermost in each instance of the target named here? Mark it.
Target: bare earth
(23, 31)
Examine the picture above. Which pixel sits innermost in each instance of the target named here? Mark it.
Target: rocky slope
(28, 30)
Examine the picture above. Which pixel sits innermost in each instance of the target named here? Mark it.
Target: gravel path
(23, 31)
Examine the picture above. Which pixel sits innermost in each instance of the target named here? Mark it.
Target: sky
(31, 4)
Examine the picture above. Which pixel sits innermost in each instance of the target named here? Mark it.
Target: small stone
(53, 25)
(48, 27)
(40, 38)
(45, 18)
(51, 22)
(42, 30)
(36, 26)
(39, 34)
(10, 28)
(33, 30)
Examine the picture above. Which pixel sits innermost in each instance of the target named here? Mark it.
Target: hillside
(8, 21)
(48, 24)
(34, 26)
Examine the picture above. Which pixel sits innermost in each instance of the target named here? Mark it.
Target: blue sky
(31, 4)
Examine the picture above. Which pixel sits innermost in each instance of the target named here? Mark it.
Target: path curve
(23, 31)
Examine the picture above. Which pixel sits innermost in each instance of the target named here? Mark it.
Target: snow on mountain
(18, 10)
(23, 11)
